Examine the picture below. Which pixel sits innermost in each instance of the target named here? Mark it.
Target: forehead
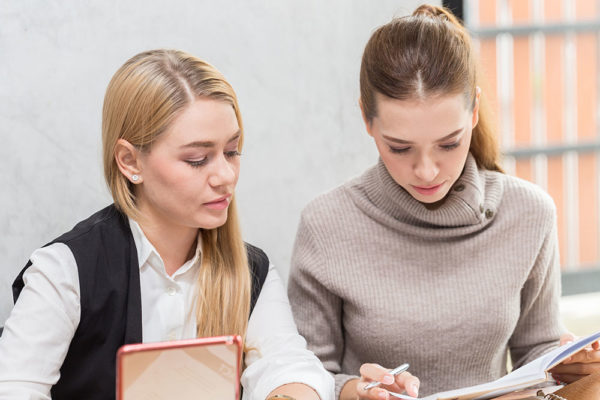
(202, 120)
(430, 118)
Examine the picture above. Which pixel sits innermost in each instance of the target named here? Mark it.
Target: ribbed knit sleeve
(317, 311)
(539, 324)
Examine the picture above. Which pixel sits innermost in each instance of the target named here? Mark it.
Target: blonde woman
(166, 261)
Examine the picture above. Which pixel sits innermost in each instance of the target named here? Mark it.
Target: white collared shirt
(42, 323)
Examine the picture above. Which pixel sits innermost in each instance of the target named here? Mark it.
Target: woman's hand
(579, 365)
(373, 372)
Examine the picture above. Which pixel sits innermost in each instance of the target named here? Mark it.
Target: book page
(530, 374)
(485, 390)
(573, 348)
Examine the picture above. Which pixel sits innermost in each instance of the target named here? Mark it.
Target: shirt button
(171, 291)
(459, 188)
(489, 214)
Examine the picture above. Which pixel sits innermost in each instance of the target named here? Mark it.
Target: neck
(175, 243)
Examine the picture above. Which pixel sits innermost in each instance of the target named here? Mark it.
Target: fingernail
(382, 395)
(388, 379)
(415, 388)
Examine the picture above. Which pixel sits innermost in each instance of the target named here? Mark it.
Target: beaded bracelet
(550, 396)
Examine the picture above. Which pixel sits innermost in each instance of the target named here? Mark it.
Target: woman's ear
(127, 158)
(475, 117)
(364, 117)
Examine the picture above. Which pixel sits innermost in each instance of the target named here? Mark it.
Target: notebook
(199, 369)
(534, 373)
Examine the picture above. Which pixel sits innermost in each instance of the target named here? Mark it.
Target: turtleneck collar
(470, 204)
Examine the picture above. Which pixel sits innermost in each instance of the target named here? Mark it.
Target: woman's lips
(219, 204)
(428, 190)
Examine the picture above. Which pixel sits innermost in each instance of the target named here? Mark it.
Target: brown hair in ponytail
(428, 53)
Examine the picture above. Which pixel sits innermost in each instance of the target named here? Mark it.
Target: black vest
(111, 305)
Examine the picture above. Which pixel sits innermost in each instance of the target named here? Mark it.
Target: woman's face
(190, 172)
(424, 143)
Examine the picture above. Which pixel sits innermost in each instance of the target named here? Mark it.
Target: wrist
(293, 391)
(349, 390)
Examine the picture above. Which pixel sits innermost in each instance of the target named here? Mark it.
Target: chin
(429, 199)
(211, 223)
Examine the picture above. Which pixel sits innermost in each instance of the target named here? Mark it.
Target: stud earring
(135, 178)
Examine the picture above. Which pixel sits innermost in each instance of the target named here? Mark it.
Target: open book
(528, 375)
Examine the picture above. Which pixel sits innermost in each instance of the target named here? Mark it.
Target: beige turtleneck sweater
(377, 277)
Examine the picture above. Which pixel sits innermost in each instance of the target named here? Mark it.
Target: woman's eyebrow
(208, 143)
(451, 135)
(198, 144)
(235, 136)
(402, 141)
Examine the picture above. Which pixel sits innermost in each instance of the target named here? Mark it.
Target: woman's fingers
(370, 373)
(376, 393)
(568, 378)
(566, 338)
(408, 382)
(376, 372)
(586, 356)
(583, 368)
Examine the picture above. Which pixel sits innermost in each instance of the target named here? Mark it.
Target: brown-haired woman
(166, 261)
(434, 256)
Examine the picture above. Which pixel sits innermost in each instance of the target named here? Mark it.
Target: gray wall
(294, 65)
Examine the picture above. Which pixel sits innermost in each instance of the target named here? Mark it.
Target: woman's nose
(223, 172)
(426, 169)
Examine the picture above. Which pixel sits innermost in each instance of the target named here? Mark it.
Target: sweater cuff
(340, 381)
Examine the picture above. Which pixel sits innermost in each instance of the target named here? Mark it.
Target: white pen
(394, 372)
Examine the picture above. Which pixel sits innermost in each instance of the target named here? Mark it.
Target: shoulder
(528, 193)
(525, 201)
(257, 258)
(55, 262)
(258, 263)
(327, 207)
(52, 269)
(103, 219)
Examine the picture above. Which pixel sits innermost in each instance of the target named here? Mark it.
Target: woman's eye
(450, 146)
(231, 154)
(399, 150)
(197, 163)
(204, 161)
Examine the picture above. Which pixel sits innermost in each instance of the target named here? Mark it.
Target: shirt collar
(148, 255)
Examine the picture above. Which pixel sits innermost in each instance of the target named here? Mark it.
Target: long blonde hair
(142, 99)
(427, 53)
